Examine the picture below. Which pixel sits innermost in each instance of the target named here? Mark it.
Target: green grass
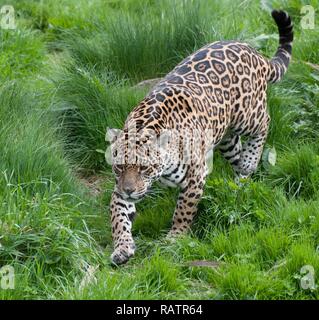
(129, 44)
(21, 53)
(67, 73)
(87, 103)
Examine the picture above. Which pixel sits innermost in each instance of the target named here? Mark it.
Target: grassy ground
(67, 73)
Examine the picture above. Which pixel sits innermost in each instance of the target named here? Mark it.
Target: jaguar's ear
(164, 139)
(112, 134)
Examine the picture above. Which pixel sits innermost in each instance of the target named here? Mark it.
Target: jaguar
(214, 99)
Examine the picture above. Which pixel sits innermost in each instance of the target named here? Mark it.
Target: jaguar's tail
(279, 63)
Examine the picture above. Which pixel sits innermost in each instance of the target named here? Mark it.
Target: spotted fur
(220, 91)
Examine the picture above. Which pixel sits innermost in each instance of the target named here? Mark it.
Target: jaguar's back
(226, 83)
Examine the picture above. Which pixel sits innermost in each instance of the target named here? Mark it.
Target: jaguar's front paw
(122, 253)
(241, 179)
(170, 238)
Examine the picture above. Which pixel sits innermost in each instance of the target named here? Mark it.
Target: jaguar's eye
(146, 170)
(117, 169)
(143, 168)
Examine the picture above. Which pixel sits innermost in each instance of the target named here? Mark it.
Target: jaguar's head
(137, 161)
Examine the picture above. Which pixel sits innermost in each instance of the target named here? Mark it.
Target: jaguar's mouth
(134, 197)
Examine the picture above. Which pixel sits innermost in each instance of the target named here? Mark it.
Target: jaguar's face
(136, 165)
(134, 181)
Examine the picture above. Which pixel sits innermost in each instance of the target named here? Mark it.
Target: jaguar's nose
(128, 190)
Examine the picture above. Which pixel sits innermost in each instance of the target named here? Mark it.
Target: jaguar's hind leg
(252, 151)
(231, 148)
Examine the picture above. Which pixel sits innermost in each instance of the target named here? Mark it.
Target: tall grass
(88, 102)
(21, 53)
(43, 227)
(298, 172)
(142, 46)
(31, 151)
